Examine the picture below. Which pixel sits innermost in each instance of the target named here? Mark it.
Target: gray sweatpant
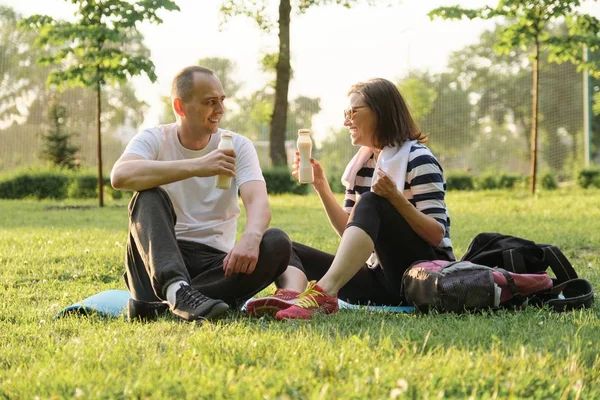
(155, 258)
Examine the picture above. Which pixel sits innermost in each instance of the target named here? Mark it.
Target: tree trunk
(99, 135)
(283, 72)
(534, 120)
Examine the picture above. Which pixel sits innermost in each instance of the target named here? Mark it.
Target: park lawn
(52, 256)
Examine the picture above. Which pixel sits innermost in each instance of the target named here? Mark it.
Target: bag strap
(577, 293)
(558, 263)
(514, 261)
(512, 286)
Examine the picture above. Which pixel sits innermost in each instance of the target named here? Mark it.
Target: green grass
(52, 257)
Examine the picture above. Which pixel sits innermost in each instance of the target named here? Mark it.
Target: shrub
(41, 182)
(589, 177)
(549, 181)
(459, 181)
(51, 185)
(6, 189)
(508, 181)
(83, 187)
(41, 185)
(115, 194)
(336, 185)
(280, 180)
(488, 181)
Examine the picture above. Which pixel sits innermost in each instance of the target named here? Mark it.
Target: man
(181, 251)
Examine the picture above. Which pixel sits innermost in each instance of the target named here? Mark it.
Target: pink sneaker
(312, 300)
(269, 305)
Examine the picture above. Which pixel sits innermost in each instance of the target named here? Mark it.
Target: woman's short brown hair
(395, 125)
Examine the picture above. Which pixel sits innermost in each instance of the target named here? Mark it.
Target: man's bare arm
(244, 255)
(258, 211)
(133, 172)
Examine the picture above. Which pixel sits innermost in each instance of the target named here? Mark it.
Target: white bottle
(305, 170)
(224, 181)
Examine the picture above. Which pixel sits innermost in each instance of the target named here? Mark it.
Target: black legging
(397, 247)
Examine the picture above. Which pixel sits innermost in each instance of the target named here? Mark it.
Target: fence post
(587, 110)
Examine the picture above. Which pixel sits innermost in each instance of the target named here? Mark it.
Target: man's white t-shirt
(205, 214)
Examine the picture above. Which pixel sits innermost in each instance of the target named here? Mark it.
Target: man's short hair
(183, 83)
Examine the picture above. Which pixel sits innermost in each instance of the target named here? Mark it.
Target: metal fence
(467, 142)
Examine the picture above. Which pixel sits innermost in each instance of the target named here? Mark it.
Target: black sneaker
(144, 310)
(191, 305)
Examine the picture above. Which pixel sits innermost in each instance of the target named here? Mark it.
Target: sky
(332, 47)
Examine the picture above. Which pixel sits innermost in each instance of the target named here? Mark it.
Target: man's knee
(151, 198)
(148, 195)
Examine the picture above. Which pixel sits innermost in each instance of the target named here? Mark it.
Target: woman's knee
(368, 206)
(370, 200)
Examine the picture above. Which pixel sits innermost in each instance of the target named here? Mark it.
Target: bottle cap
(226, 134)
(303, 131)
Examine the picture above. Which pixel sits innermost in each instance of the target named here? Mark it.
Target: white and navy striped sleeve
(425, 188)
(362, 184)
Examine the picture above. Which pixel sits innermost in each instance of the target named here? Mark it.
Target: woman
(393, 215)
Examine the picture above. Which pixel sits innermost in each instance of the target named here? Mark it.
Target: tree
(24, 96)
(529, 28)
(499, 82)
(256, 110)
(17, 80)
(24, 100)
(449, 122)
(102, 46)
(254, 115)
(417, 89)
(57, 148)
(595, 145)
(301, 112)
(499, 87)
(258, 10)
(595, 131)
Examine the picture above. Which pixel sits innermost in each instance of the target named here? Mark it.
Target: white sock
(172, 291)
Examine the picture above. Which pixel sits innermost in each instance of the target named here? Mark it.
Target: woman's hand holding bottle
(320, 180)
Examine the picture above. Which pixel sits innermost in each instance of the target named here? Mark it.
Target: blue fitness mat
(112, 303)
(396, 309)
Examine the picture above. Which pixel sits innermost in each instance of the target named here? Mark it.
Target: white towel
(394, 162)
(357, 162)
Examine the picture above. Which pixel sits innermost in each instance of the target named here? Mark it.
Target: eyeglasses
(350, 112)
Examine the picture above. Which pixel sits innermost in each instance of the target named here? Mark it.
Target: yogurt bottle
(224, 181)
(305, 170)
